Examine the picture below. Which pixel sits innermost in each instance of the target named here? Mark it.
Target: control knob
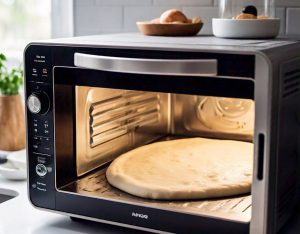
(38, 103)
(41, 170)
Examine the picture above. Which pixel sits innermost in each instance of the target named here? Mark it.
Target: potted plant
(12, 119)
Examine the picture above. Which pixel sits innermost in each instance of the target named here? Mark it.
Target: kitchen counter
(19, 216)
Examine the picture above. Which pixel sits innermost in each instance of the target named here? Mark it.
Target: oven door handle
(174, 67)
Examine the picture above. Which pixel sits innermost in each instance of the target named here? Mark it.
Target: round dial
(38, 103)
(41, 170)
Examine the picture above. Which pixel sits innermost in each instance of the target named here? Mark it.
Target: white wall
(110, 16)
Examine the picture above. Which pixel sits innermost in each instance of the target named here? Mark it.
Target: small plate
(18, 159)
(10, 172)
(184, 29)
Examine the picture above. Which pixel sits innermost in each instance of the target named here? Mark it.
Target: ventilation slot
(117, 116)
(291, 83)
(287, 196)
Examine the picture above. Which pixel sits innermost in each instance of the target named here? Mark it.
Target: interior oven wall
(110, 122)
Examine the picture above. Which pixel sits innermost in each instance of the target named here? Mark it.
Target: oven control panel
(40, 132)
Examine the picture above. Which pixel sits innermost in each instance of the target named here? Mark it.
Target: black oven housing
(240, 69)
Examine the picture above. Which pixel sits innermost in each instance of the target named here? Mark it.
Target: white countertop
(19, 216)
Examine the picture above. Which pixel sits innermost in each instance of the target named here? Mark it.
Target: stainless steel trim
(259, 189)
(177, 67)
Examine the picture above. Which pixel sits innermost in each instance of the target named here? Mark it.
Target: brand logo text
(137, 215)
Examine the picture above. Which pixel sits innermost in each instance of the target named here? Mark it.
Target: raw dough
(192, 168)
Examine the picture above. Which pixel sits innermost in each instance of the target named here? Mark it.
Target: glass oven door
(106, 106)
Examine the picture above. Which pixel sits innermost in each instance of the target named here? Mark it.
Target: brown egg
(173, 15)
(245, 16)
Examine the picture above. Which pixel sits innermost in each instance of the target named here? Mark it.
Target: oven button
(41, 170)
(36, 142)
(38, 103)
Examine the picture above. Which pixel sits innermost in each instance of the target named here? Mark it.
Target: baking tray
(237, 208)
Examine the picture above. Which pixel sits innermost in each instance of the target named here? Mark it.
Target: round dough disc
(192, 168)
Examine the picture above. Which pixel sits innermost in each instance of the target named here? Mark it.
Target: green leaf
(10, 81)
(2, 57)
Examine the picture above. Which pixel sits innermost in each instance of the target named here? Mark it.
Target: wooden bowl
(171, 29)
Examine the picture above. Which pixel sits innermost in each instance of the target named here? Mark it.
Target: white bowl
(18, 159)
(8, 171)
(246, 28)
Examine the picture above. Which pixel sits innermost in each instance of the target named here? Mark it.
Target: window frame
(62, 18)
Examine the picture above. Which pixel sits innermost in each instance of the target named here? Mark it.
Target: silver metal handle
(177, 67)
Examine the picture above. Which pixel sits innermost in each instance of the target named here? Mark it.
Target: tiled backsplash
(110, 16)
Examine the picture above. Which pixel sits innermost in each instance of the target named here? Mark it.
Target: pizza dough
(192, 168)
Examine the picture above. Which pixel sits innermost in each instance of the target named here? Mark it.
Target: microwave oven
(91, 99)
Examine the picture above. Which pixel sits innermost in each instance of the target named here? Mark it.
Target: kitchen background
(24, 21)
(111, 16)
